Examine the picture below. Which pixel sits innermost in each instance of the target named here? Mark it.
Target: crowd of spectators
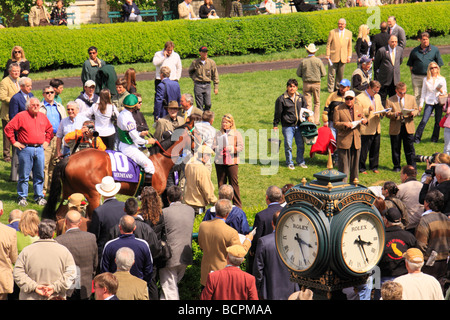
(121, 252)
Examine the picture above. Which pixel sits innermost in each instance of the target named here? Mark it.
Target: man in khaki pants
(311, 70)
(339, 52)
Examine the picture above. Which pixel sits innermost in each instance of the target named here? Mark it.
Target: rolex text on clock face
(298, 241)
(361, 242)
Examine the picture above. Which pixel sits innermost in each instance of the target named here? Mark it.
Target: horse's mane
(169, 138)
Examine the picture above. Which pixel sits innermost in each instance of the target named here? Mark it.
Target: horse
(80, 172)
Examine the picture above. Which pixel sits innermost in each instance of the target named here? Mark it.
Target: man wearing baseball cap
(202, 71)
(129, 137)
(416, 284)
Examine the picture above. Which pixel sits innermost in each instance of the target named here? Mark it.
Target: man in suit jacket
(370, 101)
(401, 125)
(108, 214)
(231, 283)
(179, 221)
(16, 105)
(262, 224)
(272, 276)
(8, 256)
(83, 247)
(9, 86)
(380, 39)
(396, 30)
(349, 135)
(215, 236)
(339, 52)
(387, 68)
(185, 10)
(166, 91)
(39, 15)
(130, 287)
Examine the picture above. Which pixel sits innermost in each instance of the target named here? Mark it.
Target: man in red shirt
(231, 283)
(30, 132)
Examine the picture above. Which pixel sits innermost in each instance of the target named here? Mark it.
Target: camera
(91, 129)
(430, 159)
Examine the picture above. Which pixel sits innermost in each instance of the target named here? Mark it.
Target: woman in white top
(434, 85)
(105, 114)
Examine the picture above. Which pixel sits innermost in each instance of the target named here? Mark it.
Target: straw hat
(311, 48)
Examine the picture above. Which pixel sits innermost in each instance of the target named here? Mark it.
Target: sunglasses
(349, 98)
(17, 51)
(49, 92)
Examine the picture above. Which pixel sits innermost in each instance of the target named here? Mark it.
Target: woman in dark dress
(207, 9)
(17, 55)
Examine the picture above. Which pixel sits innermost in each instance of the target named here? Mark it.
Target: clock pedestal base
(330, 284)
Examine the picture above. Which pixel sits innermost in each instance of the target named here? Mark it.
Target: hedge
(121, 43)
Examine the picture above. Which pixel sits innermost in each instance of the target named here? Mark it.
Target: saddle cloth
(123, 168)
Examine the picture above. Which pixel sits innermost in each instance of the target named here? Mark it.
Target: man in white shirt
(88, 97)
(416, 284)
(167, 57)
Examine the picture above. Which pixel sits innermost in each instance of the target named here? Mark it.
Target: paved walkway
(238, 68)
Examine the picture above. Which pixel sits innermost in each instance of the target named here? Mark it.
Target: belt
(202, 82)
(36, 145)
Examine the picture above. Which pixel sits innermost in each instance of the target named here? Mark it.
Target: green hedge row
(54, 47)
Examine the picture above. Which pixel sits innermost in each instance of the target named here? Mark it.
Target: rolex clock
(302, 239)
(357, 237)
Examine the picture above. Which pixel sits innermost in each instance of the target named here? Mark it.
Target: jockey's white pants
(132, 152)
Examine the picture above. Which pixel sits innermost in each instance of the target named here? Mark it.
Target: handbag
(166, 250)
(444, 118)
(442, 99)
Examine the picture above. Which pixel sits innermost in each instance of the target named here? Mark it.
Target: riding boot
(148, 179)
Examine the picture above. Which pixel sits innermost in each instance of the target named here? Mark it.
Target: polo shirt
(419, 59)
(30, 130)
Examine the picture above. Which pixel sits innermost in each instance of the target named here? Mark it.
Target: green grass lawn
(250, 98)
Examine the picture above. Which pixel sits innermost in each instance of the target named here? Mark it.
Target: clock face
(362, 242)
(297, 240)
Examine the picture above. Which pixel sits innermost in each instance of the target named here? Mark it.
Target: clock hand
(361, 243)
(299, 240)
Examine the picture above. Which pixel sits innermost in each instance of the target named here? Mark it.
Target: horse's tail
(49, 211)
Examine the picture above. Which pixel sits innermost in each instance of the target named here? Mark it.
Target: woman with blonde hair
(363, 43)
(228, 143)
(28, 229)
(433, 86)
(18, 56)
(105, 114)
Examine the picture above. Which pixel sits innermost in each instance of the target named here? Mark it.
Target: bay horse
(80, 172)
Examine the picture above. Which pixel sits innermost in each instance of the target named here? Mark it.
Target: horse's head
(173, 143)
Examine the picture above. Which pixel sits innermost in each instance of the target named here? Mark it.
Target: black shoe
(148, 179)
(396, 169)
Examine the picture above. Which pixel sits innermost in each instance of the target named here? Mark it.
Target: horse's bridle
(164, 151)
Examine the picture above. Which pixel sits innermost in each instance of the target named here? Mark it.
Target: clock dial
(362, 242)
(297, 240)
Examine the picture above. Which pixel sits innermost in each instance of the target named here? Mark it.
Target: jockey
(130, 141)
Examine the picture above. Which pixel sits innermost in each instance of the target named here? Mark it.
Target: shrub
(122, 43)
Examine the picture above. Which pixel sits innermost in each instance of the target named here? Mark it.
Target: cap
(203, 49)
(130, 101)
(345, 83)
(349, 93)
(204, 149)
(89, 83)
(237, 251)
(392, 214)
(413, 255)
(365, 59)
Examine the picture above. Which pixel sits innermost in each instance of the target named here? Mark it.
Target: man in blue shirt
(166, 91)
(419, 59)
(143, 265)
(236, 218)
(55, 113)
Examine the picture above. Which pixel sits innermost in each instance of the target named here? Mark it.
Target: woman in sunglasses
(17, 55)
